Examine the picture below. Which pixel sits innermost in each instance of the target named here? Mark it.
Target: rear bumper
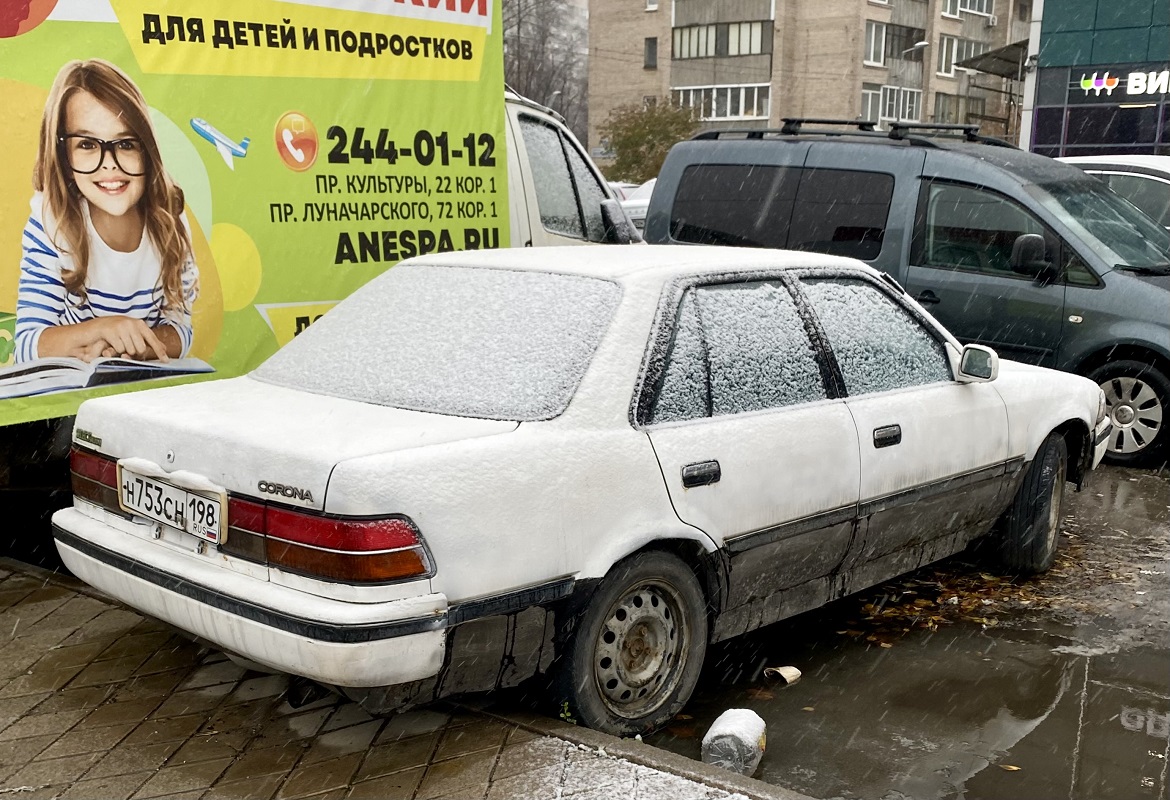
(332, 641)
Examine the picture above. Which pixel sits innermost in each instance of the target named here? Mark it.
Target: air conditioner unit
(992, 21)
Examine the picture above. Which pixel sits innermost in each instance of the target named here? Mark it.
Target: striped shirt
(117, 284)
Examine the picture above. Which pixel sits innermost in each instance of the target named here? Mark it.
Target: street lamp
(915, 47)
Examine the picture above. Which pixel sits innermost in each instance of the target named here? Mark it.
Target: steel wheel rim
(641, 650)
(1136, 413)
(1056, 495)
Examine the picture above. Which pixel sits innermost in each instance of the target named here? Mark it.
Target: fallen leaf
(807, 708)
(1009, 767)
(886, 644)
(756, 693)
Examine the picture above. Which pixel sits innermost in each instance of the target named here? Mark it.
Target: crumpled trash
(789, 675)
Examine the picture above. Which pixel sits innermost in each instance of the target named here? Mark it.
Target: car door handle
(703, 473)
(928, 298)
(887, 435)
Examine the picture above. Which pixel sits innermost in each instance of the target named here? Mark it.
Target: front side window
(737, 348)
(567, 193)
(879, 346)
(973, 230)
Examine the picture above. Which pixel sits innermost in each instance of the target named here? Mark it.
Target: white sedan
(585, 461)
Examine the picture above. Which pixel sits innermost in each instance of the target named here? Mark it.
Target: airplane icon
(226, 147)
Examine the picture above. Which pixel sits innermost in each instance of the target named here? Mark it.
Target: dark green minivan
(1006, 248)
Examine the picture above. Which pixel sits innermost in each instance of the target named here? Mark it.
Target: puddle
(960, 712)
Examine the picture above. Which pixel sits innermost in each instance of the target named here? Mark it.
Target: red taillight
(96, 468)
(337, 548)
(94, 478)
(338, 533)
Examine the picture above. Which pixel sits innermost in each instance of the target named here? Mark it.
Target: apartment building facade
(750, 63)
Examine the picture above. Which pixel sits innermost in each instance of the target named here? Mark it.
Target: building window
(875, 43)
(725, 39)
(871, 102)
(900, 105)
(650, 53)
(725, 102)
(984, 7)
(976, 109)
(900, 41)
(946, 109)
(952, 49)
(649, 101)
(651, 5)
(947, 46)
(950, 8)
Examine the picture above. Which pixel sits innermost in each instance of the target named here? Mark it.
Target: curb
(644, 755)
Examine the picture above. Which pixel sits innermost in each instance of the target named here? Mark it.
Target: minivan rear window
(841, 212)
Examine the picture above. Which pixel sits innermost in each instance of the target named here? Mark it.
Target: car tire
(636, 654)
(1029, 530)
(1138, 395)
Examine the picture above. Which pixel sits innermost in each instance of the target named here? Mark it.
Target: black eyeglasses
(86, 153)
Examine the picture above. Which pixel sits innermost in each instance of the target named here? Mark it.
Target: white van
(556, 193)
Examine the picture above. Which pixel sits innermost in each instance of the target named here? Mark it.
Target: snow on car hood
(241, 433)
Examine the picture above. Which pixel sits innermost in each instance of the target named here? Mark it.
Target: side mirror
(1029, 257)
(978, 364)
(618, 228)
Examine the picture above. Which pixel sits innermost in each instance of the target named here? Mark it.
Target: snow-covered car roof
(621, 264)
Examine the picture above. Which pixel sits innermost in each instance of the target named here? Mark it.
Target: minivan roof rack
(899, 131)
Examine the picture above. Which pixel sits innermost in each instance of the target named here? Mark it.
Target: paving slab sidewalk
(100, 703)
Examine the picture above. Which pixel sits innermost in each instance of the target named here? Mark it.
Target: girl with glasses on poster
(108, 268)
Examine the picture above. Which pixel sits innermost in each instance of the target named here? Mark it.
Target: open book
(44, 375)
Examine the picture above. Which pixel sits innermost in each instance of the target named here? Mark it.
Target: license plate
(194, 512)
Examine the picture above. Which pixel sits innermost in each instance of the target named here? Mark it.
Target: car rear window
(836, 211)
(488, 343)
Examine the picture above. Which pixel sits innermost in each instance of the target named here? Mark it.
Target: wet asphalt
(1053, 687)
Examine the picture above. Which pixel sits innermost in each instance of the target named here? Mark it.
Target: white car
(480, 463)
(1142, 180)
(637, 201)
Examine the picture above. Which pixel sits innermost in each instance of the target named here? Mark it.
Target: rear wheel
(637, 651)
(1029, 530)
(1138, 396)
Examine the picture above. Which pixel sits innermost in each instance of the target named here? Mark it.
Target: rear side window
(737, 348)
(841, 212)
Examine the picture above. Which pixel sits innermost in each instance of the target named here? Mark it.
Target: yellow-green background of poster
(247, 259)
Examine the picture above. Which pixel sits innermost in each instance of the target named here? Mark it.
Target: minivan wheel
(638, 648)
(1138, 397)
(1029, 531)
